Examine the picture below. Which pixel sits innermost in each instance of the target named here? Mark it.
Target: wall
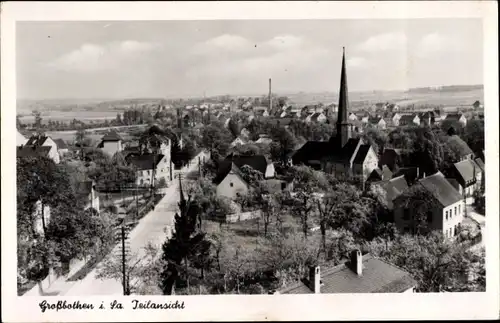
(269, 171)
(111, 147)
(454, 220)
(238, 186)
(236, 217)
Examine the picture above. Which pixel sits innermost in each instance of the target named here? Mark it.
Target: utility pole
(171, 178)
(122, 235)
(199, 165)
(123, 262)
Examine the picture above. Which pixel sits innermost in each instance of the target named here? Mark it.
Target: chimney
(315, 279)
(357, 262)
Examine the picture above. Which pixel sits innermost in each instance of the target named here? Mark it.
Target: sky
(88, 60)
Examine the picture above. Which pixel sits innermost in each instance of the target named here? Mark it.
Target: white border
(300, 307)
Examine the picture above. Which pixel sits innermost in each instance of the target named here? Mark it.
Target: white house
(62, 147)
(377, 122)
(457, 117)
(111, 143)
(20, 139)
(316, 117)
(445, 217)
(409, 119)
(36, 142)
(86, 190)
(352, 117)
(395, 119)
(144, 166)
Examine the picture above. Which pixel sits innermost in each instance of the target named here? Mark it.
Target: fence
(242, 216)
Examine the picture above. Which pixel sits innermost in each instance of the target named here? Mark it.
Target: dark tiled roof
(387, 173)
(461, 145)
(347, 152)
(60, 144)
(376, 175)
(33, 151)
(374, 120)
(257, 162)
(225, 168)
(407, 118)
(312, 150)
(411, 174)
(467, 169)
(111, 136)
(281, 121)
(144, 162)
(441, 189)
(393, 188)
(453, 116)
(36, 140)
(399, 183)
(378, 277)
(361, 154)
(454, 183)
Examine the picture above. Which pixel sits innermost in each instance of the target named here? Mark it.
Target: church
(345, 155)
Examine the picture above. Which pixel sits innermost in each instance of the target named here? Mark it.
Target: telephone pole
(124, 251)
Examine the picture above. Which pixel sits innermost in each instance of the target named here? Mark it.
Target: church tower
(343, 126)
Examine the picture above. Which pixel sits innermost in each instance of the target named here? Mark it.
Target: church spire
(343, 126)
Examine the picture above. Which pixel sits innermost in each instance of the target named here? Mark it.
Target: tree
(216, 140)
(38, 119)
(284, 142)
(474, 136)
(376, 138)
(420, 203)
(234, 127)
(436, 263)
(428, 150)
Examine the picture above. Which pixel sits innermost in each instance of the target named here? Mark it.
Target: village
(255, 196)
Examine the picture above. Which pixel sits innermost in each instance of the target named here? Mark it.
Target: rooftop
(111, 136)
(441, 189)
(378, 277)
(146, 161)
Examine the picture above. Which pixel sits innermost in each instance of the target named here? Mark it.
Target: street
(153, 228)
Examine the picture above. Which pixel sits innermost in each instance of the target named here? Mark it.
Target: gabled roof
(378, 277)
(225, 168)
(407, 117)
(111, 136)
(60, 144)
(480, 164)
(374, 120)
(33, 151)
(37, 140)
(453, 116)
(467, 169)
(257, 162)
(347, 153)
(441, 189)
(20, 139)
(411, 174)
(312, 150)
(361, 154)
(314, 116)
(144, 162)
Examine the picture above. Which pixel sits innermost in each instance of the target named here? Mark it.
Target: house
(427, 118)
(240, 140)
(62, 147)
(40, 145)
(342, 155)
(469, 175)
(392, 107)
(87, 192)
(395, 119)
(392, 158)
(380, 174)
(111, 143)
(446, 217)
(230, 180)
(280, 122)
(352, 117)
(393, 188)
(363, 117)
(145, 165)
(457, 117)
(20, 139)
(461, 146)
(377, 122)
(409, 119)
(361, 274)
(261, 111)
(316, 117)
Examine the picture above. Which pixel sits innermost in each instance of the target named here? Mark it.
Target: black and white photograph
(194, 157)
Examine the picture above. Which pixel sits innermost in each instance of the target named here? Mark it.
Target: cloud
(435, 43)
(222, 43)
(93, 57)
(285, 42)
(357, 62)
(384, 42)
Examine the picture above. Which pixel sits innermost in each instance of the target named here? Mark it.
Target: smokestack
(270, 97)
(357, 262)
(315, 279)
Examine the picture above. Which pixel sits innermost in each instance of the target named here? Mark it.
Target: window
(231, 184)
(459, 209)
(446, 212)
(455, 210)
(406, 214)
(451, 232)
(455, 229)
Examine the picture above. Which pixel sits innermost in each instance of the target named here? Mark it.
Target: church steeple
(343, 126)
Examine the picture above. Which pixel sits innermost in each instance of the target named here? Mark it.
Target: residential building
(461, 146)
(20, 139)
(427, 118)
(147, 164)
(457, 117)
(445, 217)
(40, 145)
(392, 107)
(229, 179)
(342, 155)
(469, 175)
(87, 192)
(361, 274)
(62, 147)
(395, 119)
(316, 117)
(111, 143)
(409, 119)
(352, 117)
(377, 122)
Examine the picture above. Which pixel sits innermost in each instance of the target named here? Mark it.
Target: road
(154, 228)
